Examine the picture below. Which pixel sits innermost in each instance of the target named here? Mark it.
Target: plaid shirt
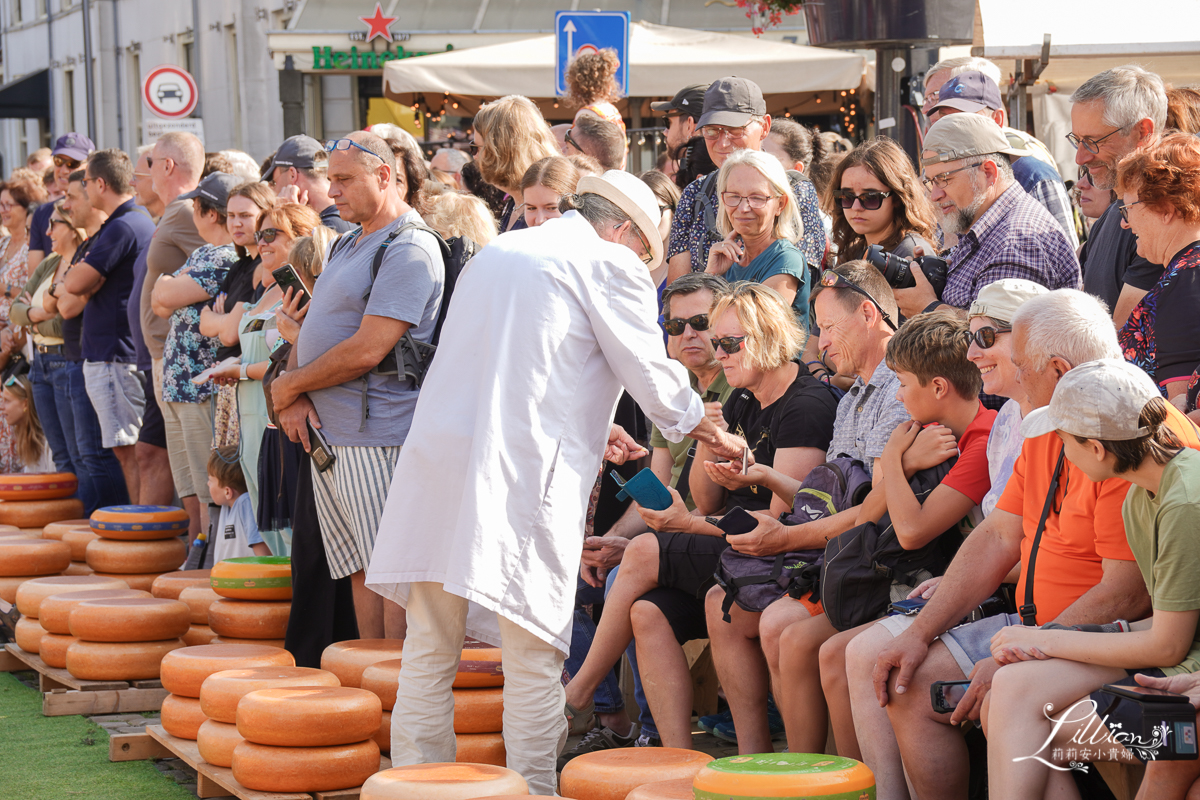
(1015, 238)
(866, 417)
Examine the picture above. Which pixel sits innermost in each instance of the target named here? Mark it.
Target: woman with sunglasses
(510, 135)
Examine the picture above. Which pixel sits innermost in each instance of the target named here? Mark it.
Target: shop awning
(27, 97)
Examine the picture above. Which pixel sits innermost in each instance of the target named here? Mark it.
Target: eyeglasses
(571, 140)
(267, 235)
(1089, 144)
(346, 144)
(730, 344)
(870, 200)
(84, 182)
(832, 280)
(648, 256)
(65, 161)
(1082, 173)
(12, 381)
(985, 337)
(7, 206)
(942, 179)
(714, 132)
(1123, 209)
(755, 201)
(675, 325)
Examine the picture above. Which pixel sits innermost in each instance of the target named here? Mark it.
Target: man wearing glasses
(69, 152)
(1112, 269)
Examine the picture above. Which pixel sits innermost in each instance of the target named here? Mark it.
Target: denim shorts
(115, 390)
(972, 643)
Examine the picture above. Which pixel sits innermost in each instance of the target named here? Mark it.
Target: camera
(898, 269)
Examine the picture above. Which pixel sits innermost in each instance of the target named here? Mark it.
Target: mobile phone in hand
(737, 521)
(287, 278)
(946, 695)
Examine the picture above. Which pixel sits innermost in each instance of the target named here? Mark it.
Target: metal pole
(117, 76)
(87, 69)
(49, 59)
(196, 54)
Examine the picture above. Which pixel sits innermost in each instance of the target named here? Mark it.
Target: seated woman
(19, 412)
(544, 184)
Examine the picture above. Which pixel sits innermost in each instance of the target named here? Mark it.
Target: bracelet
(245, 375)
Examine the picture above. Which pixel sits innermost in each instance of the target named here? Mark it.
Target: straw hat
(630, 194)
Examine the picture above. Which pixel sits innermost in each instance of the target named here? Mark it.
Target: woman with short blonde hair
(454, 214)
(511, 134)
(772, 337)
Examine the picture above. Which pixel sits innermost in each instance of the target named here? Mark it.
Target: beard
(960, 220)
(1108, 182)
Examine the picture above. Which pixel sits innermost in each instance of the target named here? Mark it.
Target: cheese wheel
(198, 635)
(54, 649)
(198, 599)
(157, 556)
(181, 716)
(79, 568)
(17, 533)
(37, 485)
(32, 592)
(33, 533)
(10, 584)
(247, 619)
(253, 578)
(478, 710)
(55, 530)
(680, 789)
(32, 557)
(139, 522)
(216, 741)
(55, 610)
(234, 640)
(308, 716)
(78, 539)
(7, 529)
(170, 584)
(221, 691)
(442, 782)
(304, 769)
(383, 736)
(118, 661)
(612, 774)
(137, 580)
(788, 776)
(479, 666)
(28, 635)
(142, 619)
(348, 659)
(38, 513)
(183, 671)
(481, 748)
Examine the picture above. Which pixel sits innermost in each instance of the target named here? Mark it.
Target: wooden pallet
(64, 694)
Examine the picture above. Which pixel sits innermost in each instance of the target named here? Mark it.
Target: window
(68, 99)
(235, 85)
(188, 52)
(41, 8)
(16, 12)
(133, 71)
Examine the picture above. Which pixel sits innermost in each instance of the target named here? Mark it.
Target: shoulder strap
(1029, 610)
(704, 203)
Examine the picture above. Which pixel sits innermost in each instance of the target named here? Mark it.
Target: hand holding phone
(646, 490)
(946, 695)
(287, 278)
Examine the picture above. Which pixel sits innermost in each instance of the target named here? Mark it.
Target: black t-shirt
(72, 329)
(802, 417)
(1109, 260)
(239, 288)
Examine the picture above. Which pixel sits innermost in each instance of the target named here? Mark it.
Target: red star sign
(379, 25)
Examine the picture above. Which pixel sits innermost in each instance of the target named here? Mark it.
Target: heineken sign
(328, 58)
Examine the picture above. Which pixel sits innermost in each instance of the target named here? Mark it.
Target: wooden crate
(64, 694)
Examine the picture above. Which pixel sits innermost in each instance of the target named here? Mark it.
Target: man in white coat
(483, 528)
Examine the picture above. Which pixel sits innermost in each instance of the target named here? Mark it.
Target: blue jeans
(101, 465)
(608, 697)
(56, 371)
(47, 408)
(639, 693)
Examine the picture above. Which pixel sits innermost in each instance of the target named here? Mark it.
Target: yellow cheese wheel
(55, 530)
(679, 789)
(55, 610)
(253, 578)
(480, 748)
(285, 717)
(38, 513)
(78, 539)
(304, 769)
(142, 619)
(443, 782)
(118, 661)
(28, 634)
(17, 533)
(10, 584)
(478, 710)
(198, 634)
(31, 593)
(37, 485)
(216, 741)
(142, 581)
(348, 659)
(235, 640)
(170, 584)
(221, 691)
(612, 774)
(249, 619)
(479, 666)
(181, 716)
(138, 523)
(157, 556)
(787, 776)
(183, 671)
(198, 599)
(79, 568)
(383, 736)
(32, 557)
(54, 649)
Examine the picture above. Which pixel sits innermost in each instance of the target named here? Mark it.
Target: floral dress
(188, 352)
(1162, 334)
(15, 271)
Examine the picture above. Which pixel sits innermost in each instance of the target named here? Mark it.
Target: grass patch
(52, 758)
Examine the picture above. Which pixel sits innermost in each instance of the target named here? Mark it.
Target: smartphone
(287, 278)
(946, 695)
(907, 608)
(1144, 693)
(736, 521)
(646, 490)
(320, 452)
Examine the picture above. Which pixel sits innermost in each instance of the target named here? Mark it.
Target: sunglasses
(473, 149)
(675, 326)
(571, 140)
(832, 280)
(65, 161)
(12, 381)
(985, 337)
(730, 344)
(267, 235)
(715, 132)
(870, 200)
(346, 144)
(1123, 209)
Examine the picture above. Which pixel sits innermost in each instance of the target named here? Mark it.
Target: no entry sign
(170, 92)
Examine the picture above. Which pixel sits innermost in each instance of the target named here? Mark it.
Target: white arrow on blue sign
(587, 31)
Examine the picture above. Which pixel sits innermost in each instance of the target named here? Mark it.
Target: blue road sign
(585, 31)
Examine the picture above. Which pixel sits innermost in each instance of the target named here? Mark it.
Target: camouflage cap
(1098, 400)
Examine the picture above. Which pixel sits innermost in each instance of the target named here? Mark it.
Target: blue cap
(971, 92)
(74, 145)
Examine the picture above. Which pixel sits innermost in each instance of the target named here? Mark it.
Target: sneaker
(599, 739)
(646, 740)
(725, 730)
(711, 721)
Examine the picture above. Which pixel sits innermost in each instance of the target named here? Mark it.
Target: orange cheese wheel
(136, 580)
(78, 539)
(17, 533)
(32, 557)
(139, 523)
(198, 634)
(479, 666)
(55, 530)
(198, 599)
(34, 533)
(55, 610)
(142, 619)
(7, 529)
(183, 671)
(443, 782)
(383, 736)
(38, 513)
(304, 769)
(216, 741)
(679, 789)
(221, 691)
(381, 679)
(31, 593)
(54, 649)
(478, 710)
(285, 717)
(10, 584)
(181, 716)
(157, 556)
(613, 774)
(79, 568)
(248, 619)
(37, 485)
(170, 584)
(235, 640)
(480, 748)
(28, 635)
(348, 659)
(118, 661)
(253, 578)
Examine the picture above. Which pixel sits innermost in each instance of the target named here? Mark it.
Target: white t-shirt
(1003, 447)
(236, 530)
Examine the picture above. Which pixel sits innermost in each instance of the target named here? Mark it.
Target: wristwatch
(50, 291)
(245, 375)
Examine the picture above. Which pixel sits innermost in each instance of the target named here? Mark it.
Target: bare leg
(368, 607)
(742, 669)
(191, 504)
(665, 676)
(1169, 780)
(129, 466)
(837, 692)
(395, 621)
(156, 487)
(799, 695)
(872, 728)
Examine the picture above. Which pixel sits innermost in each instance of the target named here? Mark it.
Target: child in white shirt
(236, 534)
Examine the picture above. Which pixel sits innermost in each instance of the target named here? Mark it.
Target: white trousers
(535, 728)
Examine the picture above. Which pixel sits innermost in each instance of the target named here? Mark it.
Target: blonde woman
(457, 214)
(31, 447)
(510, 135)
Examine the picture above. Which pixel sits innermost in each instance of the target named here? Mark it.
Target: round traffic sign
(170, 92)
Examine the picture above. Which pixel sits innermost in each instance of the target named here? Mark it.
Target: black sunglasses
(870, 200)
(730, 344)
(832, 280)
(571, 140)
(267, 234)
(473, 149)
(985, 337)
(675, 325)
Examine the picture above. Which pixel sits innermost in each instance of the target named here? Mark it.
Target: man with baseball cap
(299, 173)
(682, 112)
(1002, 232)
(70, 150)
(480, 534)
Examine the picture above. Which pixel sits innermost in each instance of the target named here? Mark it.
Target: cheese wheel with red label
(78, 539)
(198, 599)
(613, 774)
(28, 635)
(679, 789)
(142, 619)
(462, 781)
(142, 581)
(139, 523)
(253, 578)
(37, 485)
(32, 557)
(198, 635)
(118, 661)
(348, 659)
(480, 748)
(170, 584)
(248, 619)
(216, 741)
(221, 691)
(157, 556)
(79, 568)
(183, 671)
(308, 716)
(479, 666)
(55, 610)
(54, 649)
(38, 513)
(181, 716)
(55, 530)
(264, 768)
(32, 592)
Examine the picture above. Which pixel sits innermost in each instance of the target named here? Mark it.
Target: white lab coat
(489, 496)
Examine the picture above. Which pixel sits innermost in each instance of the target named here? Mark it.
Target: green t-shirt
(719, 391)
(1164, 535)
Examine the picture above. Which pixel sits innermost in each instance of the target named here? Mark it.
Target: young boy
(236, 534)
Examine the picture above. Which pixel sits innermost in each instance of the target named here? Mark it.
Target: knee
(862, 651)
(640, 558)
(832, 659)
(712, 607)
(645, 617)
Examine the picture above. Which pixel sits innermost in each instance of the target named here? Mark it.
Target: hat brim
(192, 195)
(1038, 422)
(731, 119)
(664, 106)
(72, 152)
(961, 104)
(595, 184)
(267, 170)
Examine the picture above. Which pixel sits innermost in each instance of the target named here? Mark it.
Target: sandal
(580, 720)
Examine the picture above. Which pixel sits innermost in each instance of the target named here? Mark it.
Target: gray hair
(691, 283)
(1069, 324)
(595, 209)
(458, 159)
(242, 165)
(957, 66)
(1129, 95)
(373, 144)
(1003, 164)
(788, 224)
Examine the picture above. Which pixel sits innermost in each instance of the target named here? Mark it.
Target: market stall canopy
(26, 97)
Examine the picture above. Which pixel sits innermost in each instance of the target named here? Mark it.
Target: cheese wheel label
(251, 583)
(139, 518)
(784, 776)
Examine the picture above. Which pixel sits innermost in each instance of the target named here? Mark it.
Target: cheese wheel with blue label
(134, 523)
(37, 486)
(786, 776)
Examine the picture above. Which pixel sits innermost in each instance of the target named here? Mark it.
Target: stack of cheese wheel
(185, 670)
(787, 776)
(444, 782)
(306, 739)
(256, 600)
(31, 593)
(137, 543)
(35, 499)
(613, 774)
(55, 530)
(55, 616)
(23, 558)
(198, 599)
(172, 584)
(221, 692)
(124, 639)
